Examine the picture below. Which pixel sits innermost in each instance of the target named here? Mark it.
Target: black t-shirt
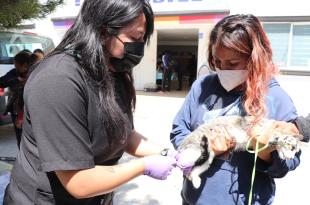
(62, 130)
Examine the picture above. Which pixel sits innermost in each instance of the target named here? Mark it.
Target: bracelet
(164, 152)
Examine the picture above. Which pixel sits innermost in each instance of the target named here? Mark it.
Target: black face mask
(133, 53)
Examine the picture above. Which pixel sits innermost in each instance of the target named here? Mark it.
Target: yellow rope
(256, 151)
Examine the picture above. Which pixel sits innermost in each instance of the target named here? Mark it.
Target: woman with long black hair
(78, 112)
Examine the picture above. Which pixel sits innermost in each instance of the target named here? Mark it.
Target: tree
(12, 12)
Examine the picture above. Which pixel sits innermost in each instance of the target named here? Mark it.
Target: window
(290, 44)
(279, 35)
(300, 54)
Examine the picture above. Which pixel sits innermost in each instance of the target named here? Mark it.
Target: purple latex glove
(172, 153)
(186, 160)
(159, 167)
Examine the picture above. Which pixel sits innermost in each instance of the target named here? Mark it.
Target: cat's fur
(286, 143)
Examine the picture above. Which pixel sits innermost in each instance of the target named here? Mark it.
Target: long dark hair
(97, 20)
(245, 34)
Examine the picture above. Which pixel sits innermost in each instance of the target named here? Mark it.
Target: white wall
(204, 32)
(68, 9)
(45, 26)
(145, 73)
(164, 7)
(270, 7)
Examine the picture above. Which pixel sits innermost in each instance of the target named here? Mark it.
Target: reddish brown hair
(244, 34)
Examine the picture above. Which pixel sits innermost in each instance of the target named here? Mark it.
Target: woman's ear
(104, 36)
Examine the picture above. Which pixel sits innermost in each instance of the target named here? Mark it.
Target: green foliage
(12, 12)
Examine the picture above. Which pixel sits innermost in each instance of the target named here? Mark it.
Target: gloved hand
(159, 167)
(186, 160)
(172, 153)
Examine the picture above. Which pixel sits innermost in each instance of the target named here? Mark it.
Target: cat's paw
(288, 146)
(196, 182)
(195, 178)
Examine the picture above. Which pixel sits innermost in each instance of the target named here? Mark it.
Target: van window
(11, 43)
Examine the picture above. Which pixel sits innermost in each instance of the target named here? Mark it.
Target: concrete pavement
(153, 118)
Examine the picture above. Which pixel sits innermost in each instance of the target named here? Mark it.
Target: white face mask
(231, 78)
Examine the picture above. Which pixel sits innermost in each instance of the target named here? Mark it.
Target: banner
(165, 7)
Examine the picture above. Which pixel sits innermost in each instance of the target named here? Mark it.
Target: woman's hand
(286, 127)
(264, 135)
(221, 141)
(159, 167)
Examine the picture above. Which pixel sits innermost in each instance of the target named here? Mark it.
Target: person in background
(303, 126)
(14, 80)
(159, 74)
(244, 84)
(192, 69)
(167, 71)
(33, 59)
(39, 53)
(79, 103)
(178, 69)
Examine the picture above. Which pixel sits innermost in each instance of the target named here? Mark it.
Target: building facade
(183, 26)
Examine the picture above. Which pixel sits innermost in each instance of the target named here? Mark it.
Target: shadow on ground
(123, 194)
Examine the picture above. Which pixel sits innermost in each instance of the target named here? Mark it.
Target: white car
(10, 44)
